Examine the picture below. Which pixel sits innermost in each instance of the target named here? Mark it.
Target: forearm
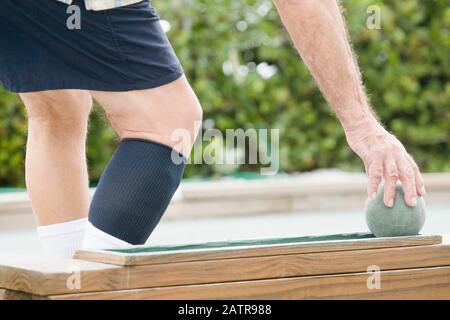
(318, 31)
(319, 34)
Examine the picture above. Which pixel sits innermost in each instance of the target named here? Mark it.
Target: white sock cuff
(62, 228)
(61, 240)
(98, 239)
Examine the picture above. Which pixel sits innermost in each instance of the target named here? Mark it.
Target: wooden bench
(325, 267)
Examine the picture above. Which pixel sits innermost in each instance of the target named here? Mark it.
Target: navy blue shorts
(119, 49)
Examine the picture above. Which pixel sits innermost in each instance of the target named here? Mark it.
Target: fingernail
(373, 195)
(414, 201)
(422, 191)
(390, 203)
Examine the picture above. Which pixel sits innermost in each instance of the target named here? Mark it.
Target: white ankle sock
(61, 240)
(98, 239)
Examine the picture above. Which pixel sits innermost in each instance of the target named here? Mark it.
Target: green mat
(241, 243)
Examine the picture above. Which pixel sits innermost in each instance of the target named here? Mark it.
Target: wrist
(364, 133)
(365, 129)
(360, 120)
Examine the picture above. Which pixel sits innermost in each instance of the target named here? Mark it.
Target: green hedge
(406, 67)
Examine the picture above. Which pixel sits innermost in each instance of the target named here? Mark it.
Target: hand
(386, 159)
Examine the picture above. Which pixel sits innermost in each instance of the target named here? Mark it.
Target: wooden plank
(425, 283)
(6, 294)
(100, 277)
(250, 248)
(41, 276)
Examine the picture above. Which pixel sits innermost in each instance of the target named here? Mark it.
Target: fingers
(375, 174)
(407, 178)
(420, 185)
(386, 159)
(391, 176)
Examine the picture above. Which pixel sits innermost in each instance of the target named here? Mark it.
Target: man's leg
(55, 167)
(141, 178)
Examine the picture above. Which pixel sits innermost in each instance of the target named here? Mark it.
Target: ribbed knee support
(135, 190)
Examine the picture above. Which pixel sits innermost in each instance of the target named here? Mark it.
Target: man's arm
(318, 31)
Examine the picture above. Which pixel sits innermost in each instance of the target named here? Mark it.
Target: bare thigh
(159, 114)
(58, 108)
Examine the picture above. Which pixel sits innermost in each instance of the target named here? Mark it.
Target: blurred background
(246, 73)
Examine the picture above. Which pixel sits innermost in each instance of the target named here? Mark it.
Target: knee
(167, 114)
(193, 115)
(187, 113)
(182, 133)
(57, 112)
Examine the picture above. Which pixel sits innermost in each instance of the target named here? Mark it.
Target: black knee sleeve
(135, 189)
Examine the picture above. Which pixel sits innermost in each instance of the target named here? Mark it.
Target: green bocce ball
(400, 220)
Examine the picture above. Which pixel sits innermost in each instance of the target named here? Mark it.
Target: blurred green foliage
(241, 64)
